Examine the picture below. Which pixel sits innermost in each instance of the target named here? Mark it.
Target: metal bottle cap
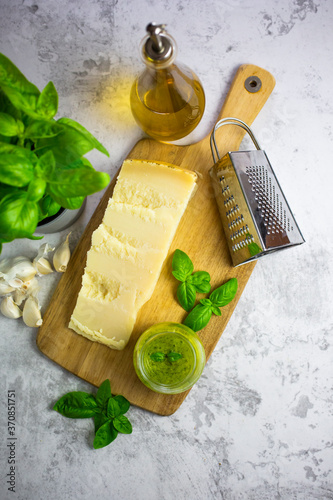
(159, 46)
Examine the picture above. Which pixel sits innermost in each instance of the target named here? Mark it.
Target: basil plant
(42, 163)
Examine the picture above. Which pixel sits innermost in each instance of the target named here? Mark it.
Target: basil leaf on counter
(182, 265)
(124, 405)
(122, 424)
(105, 435)
(107, 411)
(186, 295)
(77, 405)
(103, 394)
(221, 296)
(113, 408)
(199, 317)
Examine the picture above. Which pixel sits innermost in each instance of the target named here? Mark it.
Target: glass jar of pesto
(169, 358)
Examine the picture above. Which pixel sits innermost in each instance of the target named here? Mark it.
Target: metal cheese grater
(256, 217)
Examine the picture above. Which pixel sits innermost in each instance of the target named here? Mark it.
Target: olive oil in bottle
(167, 99)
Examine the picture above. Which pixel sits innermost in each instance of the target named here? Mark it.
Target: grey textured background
(258, 424)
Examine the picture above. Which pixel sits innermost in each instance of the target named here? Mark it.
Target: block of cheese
(128, 249)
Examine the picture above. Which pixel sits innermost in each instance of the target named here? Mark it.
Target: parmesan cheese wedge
(128, 249)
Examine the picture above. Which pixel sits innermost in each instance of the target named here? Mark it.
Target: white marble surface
(258, 424)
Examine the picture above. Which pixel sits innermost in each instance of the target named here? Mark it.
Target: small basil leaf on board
(186, 295)
(105, 435)
(206, 302)
(224, 294)
(77, 404)
(47, 104)
(113, 408)
(199, 317)
(216, 310)
(124, 404)
(182, 266)
(122, 424)
(200, 277)
(103, 394)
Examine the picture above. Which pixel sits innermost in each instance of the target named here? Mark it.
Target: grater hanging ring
(229, 121)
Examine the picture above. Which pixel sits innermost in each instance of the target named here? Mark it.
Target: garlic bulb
(41, 264)
(61, 256)
(31, 312)
(9, 308)
(17, 267)
(5, 288)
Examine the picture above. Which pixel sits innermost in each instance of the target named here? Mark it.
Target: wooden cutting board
(199, 234)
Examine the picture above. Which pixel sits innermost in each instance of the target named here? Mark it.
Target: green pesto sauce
(166, 372)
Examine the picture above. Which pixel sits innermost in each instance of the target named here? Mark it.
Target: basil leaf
(22, 93)
(199, 317)
(201, 281)
(15, 169)
(18, 216)
(77, 404)
(47, 104)
(216, 310)
(99, 420)
(48, 206)
(113, 408)
(174, 356)
(10, 127)
(36, 189)
(105, 435)
(224, 294)
(182, 265)
(206, 302)
(186, 295)
(124, 405)
(73, 182)
(122, 424)
(103, 394)
(157, 356)
(83, 133)
(72, 203)
(45, 166)
(43, 129)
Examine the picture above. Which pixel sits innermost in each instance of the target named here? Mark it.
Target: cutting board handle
(243, 104)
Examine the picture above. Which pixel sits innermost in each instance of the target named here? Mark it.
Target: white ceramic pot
(60, 221)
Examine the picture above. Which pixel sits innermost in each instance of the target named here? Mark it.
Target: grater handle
(229, 121)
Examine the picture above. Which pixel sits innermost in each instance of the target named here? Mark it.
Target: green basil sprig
(182, 269)
(199, 317)
(42, 163)
(107, 410)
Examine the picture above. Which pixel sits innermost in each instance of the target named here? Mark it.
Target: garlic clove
(19, 296)
(5, 288)
(17, 267)
(41, 264)
(15, 283)
(9, 308)
(61, 256)
(31, 312)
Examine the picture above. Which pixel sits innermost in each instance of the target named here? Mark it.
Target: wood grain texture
(199, 234)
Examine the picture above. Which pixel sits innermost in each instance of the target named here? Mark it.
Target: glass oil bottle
(167, 99)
